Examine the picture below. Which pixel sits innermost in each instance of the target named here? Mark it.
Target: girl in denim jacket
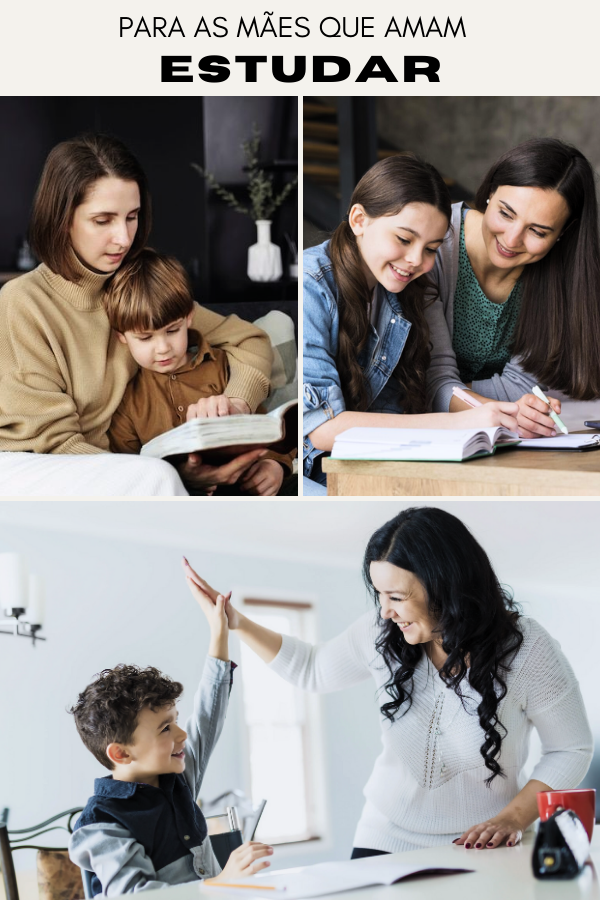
(366, 354)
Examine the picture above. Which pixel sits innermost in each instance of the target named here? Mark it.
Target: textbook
(423, 444)
(227, 436)
(328, 878)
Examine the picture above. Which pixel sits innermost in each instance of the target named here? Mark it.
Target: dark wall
(227, 122)
(166, 134)
(26, 136)
(463, 136)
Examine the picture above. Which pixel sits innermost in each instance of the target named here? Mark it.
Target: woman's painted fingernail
(509, 844)
(467, 846)
(489, 844)
(478, 846)
(455, 840)
(185, 562)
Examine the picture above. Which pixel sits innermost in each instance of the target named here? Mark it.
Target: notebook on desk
(328, 878)
(423, 444)
(579, 442)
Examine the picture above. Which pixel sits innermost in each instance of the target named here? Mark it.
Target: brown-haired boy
(142, 828)
(149, 304)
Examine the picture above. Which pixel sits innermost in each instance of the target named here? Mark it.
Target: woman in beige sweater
(62, 371)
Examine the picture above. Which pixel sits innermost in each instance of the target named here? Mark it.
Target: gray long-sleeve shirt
(443, 374)
(136, 837)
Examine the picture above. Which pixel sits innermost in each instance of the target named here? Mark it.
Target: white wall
(113, 597)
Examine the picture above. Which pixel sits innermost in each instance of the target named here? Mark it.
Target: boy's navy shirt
(164, 820)
(133, 836)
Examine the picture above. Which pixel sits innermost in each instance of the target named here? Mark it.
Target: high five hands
(213, 604)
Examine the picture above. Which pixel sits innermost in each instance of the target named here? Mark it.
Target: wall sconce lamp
(21, 599)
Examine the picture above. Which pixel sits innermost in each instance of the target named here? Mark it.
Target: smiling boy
(142, 828)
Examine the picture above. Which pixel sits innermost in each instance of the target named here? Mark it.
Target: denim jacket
(322, 396)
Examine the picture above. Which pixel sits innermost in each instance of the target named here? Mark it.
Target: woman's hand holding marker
(553, 415)
(535, 416)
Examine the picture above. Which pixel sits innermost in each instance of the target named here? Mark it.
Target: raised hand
(205, 594)
(213, 605)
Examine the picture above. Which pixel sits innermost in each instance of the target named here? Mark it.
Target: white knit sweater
(427, 784)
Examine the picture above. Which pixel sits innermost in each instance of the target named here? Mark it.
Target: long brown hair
(70, 170)
(384, 190)
(557, 336)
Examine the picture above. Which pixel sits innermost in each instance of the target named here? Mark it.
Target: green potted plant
(264, 257)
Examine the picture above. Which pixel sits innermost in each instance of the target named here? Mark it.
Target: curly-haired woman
(467, 677)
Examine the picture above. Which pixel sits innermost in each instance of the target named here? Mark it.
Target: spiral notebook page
(562, 442)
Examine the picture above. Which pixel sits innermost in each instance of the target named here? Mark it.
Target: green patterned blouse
(483, 330)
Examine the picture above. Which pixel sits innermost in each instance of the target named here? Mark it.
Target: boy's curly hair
(108, 708)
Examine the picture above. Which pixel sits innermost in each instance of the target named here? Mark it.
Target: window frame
(249, 600)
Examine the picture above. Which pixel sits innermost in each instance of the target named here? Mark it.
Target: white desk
(502, 874)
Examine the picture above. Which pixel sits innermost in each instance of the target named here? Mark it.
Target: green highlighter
(539, 393)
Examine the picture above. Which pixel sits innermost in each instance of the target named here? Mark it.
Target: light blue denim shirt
(322, 396)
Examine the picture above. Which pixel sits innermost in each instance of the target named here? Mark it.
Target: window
(283, 734)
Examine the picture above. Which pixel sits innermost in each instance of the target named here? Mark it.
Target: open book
(228, 436)
(328, 878)
(447, 445)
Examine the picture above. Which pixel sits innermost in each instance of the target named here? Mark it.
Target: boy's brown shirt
(154, 403)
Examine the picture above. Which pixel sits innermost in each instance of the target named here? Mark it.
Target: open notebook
(326, 878)
(446, 445)
(563, 442)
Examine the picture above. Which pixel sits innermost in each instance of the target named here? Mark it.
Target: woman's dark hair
(476, 617)
(70, 170)
(557, 332)
(107, 710)
(384, 190)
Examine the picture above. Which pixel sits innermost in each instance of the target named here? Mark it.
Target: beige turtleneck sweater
(63, 373)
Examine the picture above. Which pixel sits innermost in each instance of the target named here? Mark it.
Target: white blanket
(99, 475)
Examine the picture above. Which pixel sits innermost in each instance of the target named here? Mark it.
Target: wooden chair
(9, 843)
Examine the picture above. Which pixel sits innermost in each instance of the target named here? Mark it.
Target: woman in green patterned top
(519, 283)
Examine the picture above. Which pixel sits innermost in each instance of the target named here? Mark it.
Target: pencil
(251, 887)
(466, 398)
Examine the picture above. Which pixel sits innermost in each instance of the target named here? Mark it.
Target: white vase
(264, 258)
